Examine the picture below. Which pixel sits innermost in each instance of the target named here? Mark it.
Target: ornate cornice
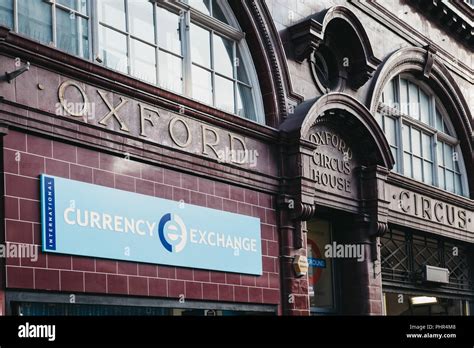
(403, 29)
(306, 37)
(280, 54)
(262, 29)
(444, 13)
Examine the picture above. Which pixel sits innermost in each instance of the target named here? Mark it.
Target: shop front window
(407, 258)
(66, 309)
(405, 254)
(408, 304)
(320, 272)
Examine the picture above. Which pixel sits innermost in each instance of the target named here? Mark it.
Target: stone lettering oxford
(202, 138)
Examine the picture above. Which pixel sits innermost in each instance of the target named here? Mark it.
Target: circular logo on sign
(172, 233)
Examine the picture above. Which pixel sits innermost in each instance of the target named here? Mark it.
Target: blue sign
(91, 220)
(318, 263)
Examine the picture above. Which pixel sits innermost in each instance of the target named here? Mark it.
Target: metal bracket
(10, 76)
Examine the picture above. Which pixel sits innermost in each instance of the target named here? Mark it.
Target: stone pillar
(295, 296)
(371, 225)
(3, 132)
(362, 280)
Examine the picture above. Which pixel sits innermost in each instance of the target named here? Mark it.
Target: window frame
(128, 37)
(190, 15)
(230, 30)
(405, 120)
(335, 279)
(54, 5)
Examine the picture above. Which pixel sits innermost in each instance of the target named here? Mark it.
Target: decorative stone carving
(430, 54)
(337, 47)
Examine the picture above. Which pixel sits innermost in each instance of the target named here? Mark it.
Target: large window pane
(223, 56)
(427, 146)
(448, 156)
(112, 12)
(456, 162)
(390, 130)
(168, 31)
(441, 180)
(321, 283)
(225, 94)
(378, 118)
(407, 164)
(203, 6)
(141, 20)
(406, 138)
(170, 72)
(439, 121)
(417, 168)
(200, 46)
(395, 157)
(202, 85)
(113, 49)
(35, 20)
(241, 71)
(217, 12)
(416, 141)
(77, 5)
(245, 105)
(72, 33)
(446, 129)
(388, 94)
(428, 172)
(6, 13)
(404, 96)
(457, 184)
(143, 61)
(439, 150)
(414, 106)
(449, 180)
(425, 107)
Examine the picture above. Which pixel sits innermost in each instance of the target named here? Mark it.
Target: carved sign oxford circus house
(331, 164)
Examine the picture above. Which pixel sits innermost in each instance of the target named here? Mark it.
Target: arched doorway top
(307, 114)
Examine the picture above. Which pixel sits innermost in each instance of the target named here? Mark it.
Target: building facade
(219, 157)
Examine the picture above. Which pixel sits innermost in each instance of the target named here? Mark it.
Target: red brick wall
(27, 156)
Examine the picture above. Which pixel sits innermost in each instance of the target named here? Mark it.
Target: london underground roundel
(315, 261)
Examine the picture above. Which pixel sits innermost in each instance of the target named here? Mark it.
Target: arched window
(421, 136)
(191, 47)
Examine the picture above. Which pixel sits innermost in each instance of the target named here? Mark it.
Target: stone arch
(424, 65)
(343, 13)
(337, 34)
(308, 113)
(268, 56)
